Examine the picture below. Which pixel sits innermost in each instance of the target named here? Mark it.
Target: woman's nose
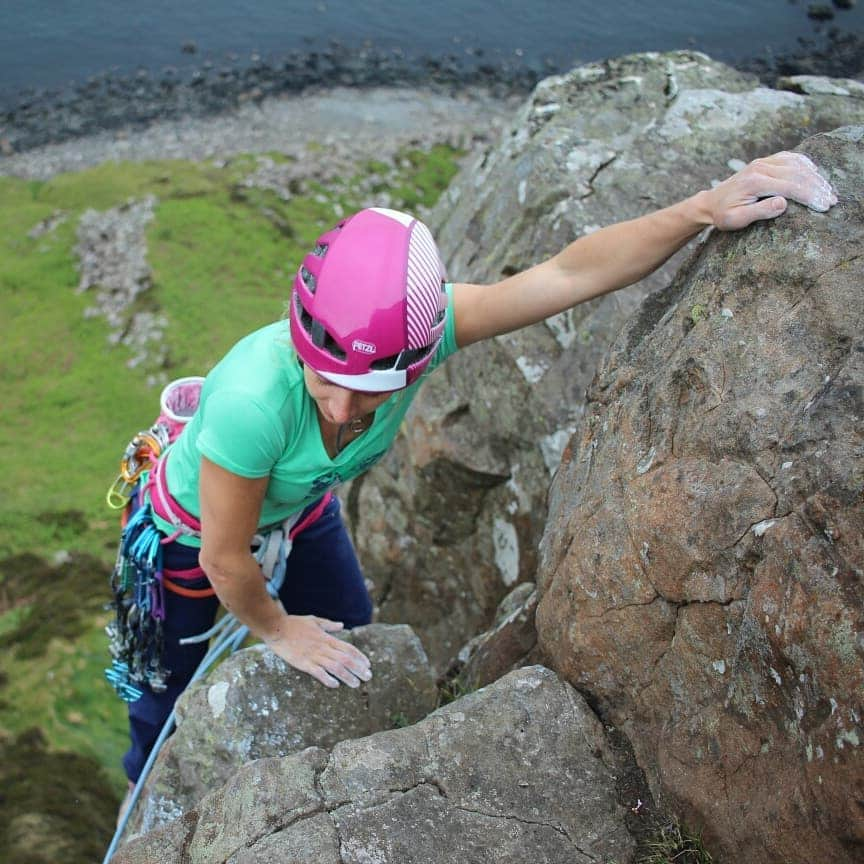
(343, 406)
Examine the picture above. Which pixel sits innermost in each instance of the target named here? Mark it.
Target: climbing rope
(228, 635)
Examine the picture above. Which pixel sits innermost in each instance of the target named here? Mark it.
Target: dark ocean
(51, 43)
(71, 66)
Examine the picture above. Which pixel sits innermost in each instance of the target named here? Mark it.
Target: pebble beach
(323, 131)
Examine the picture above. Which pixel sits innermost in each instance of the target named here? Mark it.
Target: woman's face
(339, 404)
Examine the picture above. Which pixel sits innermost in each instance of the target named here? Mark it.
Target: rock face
(509, 643)
(517, 772)
(254, 705)
(702, 575)
(449, 522)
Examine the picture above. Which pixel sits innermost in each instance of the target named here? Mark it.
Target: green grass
(455, 687)
(221, 267)
(222, 259)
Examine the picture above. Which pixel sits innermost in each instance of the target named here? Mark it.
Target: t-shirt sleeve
(240, 434)
(448, 344)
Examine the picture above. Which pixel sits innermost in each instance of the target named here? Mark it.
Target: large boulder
(520, 771)
(449, 522)
(702, 575)
(254, 705)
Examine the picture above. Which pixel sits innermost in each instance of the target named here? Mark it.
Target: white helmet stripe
(377, 381)
(405, 218)
(425, 273)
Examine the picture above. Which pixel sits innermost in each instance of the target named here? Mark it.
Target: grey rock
(48, 225)
(450, 521)
(509, 643)
(435, 830)
(313, 841)
(262, 798)
(112, 260)
(254, 706)
(519, 771)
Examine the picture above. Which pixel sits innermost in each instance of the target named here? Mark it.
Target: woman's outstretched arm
(229, 516)
(621, 254)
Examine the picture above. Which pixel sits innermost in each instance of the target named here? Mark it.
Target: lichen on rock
(519, 771)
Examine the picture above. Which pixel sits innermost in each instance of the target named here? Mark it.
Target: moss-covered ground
(222, 257)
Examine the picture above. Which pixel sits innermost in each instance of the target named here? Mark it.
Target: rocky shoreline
(324, 134)
(115, 102)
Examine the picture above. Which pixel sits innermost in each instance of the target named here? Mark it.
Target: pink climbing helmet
(368, 308)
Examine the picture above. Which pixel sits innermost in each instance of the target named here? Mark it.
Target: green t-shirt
(256, 419)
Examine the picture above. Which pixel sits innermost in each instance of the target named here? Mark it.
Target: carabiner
(119, 493)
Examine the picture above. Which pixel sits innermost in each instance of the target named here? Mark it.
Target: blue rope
(229, 640)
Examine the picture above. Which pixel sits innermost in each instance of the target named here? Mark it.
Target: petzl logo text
(363, 347)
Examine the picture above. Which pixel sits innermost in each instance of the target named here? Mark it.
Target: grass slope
(222, 257)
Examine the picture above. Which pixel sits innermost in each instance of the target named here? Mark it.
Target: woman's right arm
(230, 506)
(621, 254)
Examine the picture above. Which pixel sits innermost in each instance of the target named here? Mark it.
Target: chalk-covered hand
(304, 642)
(761, 191)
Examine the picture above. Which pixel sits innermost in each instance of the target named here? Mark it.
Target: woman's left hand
(761, 191)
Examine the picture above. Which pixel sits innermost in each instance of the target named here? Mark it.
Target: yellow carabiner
(119, 493)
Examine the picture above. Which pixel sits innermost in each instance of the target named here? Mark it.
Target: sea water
(58, 43)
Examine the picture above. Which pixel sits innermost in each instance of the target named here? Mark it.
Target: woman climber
(295, 409)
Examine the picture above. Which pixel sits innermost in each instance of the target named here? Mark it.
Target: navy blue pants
(323, 578)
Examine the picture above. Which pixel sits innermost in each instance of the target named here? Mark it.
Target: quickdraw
(135, 637)
(138, 584)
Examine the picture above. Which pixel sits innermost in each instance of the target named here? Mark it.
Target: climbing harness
(167, 508)
(228, 634)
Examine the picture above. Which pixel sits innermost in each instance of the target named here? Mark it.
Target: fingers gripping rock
(267, 708)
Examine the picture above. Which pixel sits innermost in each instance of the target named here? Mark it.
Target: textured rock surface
(112, 261)
(509, 643)
(254, 705)
(517, 772)
(702, 576)
(449, 522)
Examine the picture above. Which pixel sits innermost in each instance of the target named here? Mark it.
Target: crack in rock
(436, 785)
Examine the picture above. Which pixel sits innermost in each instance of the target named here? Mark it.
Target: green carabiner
(119, 493)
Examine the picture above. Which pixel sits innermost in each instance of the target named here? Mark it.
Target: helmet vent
(308, 280)
(403, 359)
(317, 332)
(320, 250)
